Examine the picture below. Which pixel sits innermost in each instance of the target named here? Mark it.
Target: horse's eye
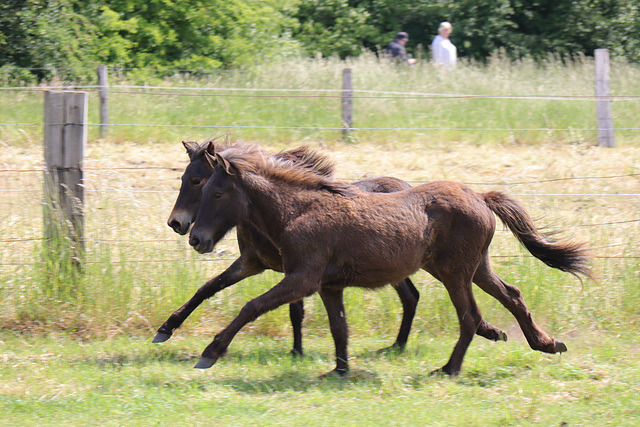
(196, 181)
(217, 195)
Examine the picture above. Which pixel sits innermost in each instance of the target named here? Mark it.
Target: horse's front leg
(296, 314)
(239, 270)
(333, 302)
(292, 288)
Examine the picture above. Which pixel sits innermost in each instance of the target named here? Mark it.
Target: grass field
(57, 380)
(75, 348)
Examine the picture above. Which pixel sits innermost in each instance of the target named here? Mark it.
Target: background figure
(443, 51)
(397, 50)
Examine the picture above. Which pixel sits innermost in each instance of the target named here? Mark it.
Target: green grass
(500, 77)
(57, 380)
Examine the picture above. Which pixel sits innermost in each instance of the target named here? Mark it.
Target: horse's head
(224, 204)
(199, 171)
(194, 178)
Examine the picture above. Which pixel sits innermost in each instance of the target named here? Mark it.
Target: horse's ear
(216, 160)
(211, 159)
(224, 163)
(211, 148)
(191, 147)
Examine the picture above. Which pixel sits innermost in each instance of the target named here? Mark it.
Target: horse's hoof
(205, 363)
(295, 352)
(161, 337)
(560, 347)
(394, 349)
(438, 373)
(441, 373)
(341, 373)
(502, 336)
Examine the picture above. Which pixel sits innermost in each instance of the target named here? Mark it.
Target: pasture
(76, 349)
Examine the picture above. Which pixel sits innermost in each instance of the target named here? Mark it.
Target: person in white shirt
(443, 51)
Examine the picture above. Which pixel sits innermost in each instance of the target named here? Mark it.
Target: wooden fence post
(65, 139)
(606, 136)
(104, 107)
(347, 103)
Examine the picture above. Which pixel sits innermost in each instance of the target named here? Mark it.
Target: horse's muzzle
(202, 246)
(178, 227)
(180, 222)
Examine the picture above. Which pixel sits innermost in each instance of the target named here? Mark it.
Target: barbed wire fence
(158, 91)
(152, 196)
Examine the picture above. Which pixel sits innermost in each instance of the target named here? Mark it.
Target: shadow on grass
(302, 381)
(118, 360)
(287, 372)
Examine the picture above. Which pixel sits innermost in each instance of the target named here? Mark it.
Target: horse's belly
(370, 271)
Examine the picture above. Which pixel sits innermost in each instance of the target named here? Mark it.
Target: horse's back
(382, 184)
(375, 238)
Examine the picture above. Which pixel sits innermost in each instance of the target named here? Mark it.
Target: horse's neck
(272, 207)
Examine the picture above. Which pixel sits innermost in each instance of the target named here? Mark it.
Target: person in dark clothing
(397, 50)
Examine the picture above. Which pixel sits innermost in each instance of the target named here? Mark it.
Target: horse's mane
(303, 156)
(309, 159)
(301, 167)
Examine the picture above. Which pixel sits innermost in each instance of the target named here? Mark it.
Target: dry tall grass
(138, 270)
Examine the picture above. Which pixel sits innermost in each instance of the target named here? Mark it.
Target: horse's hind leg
(332, 300)
(409, 297)
(490, 332)
(469, 318)
(511, 297)
(235, 273)
(296, 314)
(485, 329)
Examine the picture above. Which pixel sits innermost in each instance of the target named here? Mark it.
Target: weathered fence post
(104, 107)
(347, 103)
(606, 136)
(65, 139)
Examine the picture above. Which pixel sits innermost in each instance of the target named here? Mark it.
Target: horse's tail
(565, 255)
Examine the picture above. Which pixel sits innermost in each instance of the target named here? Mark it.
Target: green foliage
(624, 31)
(519, 27)
(70, 37)
(46, 35)
(333, 27)
(191, 34)
(75, 35)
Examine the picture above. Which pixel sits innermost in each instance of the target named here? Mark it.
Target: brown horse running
(257, 253)
(332, 235)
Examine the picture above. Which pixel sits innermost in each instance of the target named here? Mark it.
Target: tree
(333, 27)
(70, 37)
(45, 35)
(76, 35)
(193, 33)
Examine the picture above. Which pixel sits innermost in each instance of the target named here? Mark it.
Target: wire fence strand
(341, 128)
(283, 93)
(259, 93)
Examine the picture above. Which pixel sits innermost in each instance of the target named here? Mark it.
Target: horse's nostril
(194, 241)
(174, 224)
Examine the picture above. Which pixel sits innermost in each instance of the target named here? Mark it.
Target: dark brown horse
(257, 253)
(332, 235)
